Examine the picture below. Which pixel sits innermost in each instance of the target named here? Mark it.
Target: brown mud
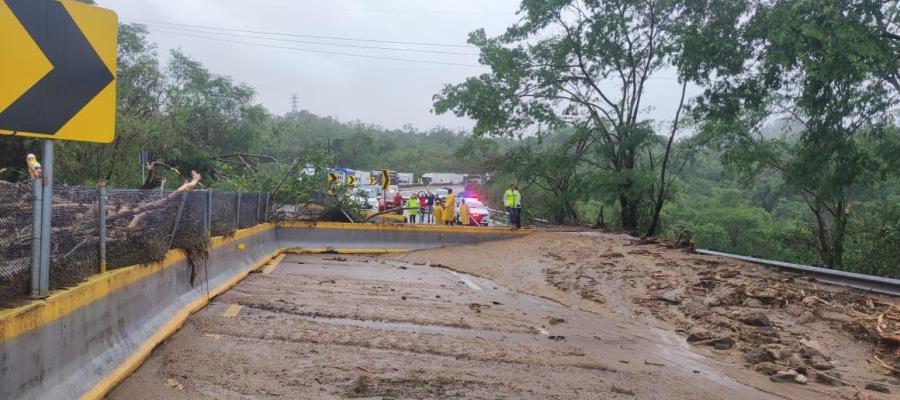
(554, 315)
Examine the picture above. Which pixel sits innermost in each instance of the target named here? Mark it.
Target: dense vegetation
(791, 152)
(799, 99)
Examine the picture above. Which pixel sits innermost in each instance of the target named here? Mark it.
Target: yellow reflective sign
(385, 179)
(351, 180)
(58, 70)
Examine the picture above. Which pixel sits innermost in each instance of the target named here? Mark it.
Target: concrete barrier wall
(81, 342)
(370, 236)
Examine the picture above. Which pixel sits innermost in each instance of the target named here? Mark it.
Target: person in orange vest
(34, 167)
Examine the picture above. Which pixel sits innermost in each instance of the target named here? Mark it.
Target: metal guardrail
(869, 283)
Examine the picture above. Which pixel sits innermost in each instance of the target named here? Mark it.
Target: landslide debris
(772, 321)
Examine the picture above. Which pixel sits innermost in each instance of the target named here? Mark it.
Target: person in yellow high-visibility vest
(412, 209)
(512, 200)
(438, 212)
(449, 207)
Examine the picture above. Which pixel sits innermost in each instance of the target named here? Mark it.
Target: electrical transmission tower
(294, 102)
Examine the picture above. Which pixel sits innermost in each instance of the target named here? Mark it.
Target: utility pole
(294, 103)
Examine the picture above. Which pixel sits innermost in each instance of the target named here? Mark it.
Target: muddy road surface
(319, 327)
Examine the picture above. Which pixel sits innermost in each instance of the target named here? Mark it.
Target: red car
(394, 200)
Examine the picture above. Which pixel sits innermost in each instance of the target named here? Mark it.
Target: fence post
(258, 204)
(184, 197)
(101, 211)
(266, 210)
(36, 207)
(208, 217)
(237, 212)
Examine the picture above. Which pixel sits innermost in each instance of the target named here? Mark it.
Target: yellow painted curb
(134, 361)
(17, 321)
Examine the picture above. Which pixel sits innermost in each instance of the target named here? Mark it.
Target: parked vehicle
(394, 200)
(368, 197)
(441, 178)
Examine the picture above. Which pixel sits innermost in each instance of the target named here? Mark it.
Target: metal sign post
(36, 207)
(46, 218)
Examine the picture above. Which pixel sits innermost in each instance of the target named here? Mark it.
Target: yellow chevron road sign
(58, 70)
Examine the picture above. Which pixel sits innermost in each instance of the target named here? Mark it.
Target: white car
(368, 197)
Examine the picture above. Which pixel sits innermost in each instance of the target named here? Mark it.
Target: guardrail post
(184, 197)
(101, 211)
(237, 213)
(36, 208)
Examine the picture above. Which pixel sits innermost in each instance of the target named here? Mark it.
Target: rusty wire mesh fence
(249, 213)
(141, 227)
(224, 213)
(15, 237)
(74, 237)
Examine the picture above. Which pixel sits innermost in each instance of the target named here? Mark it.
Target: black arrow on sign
(78, 73)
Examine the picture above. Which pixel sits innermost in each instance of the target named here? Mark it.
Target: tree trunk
(826, 243)
(629, 213)
(839, 229)
(601, 221)
(629, 207)
(663, 185)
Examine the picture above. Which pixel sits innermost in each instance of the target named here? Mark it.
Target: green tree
(584, 65)
(551, 165)
(824, 68)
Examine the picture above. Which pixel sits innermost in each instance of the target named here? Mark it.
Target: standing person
(398, 202)
(34, 167)
(412, 206)
(423, 207)
(464, 213)
(449, 207)
(512, 200)
(429, 199)
(438, 212)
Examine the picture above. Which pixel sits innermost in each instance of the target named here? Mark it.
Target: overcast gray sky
(384, 92)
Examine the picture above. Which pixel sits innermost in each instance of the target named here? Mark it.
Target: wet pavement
(327, 326)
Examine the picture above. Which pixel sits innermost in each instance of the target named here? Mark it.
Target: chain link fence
(141, 227)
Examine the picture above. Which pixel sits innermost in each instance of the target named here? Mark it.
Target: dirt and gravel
(552, 315)
(766, 320)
